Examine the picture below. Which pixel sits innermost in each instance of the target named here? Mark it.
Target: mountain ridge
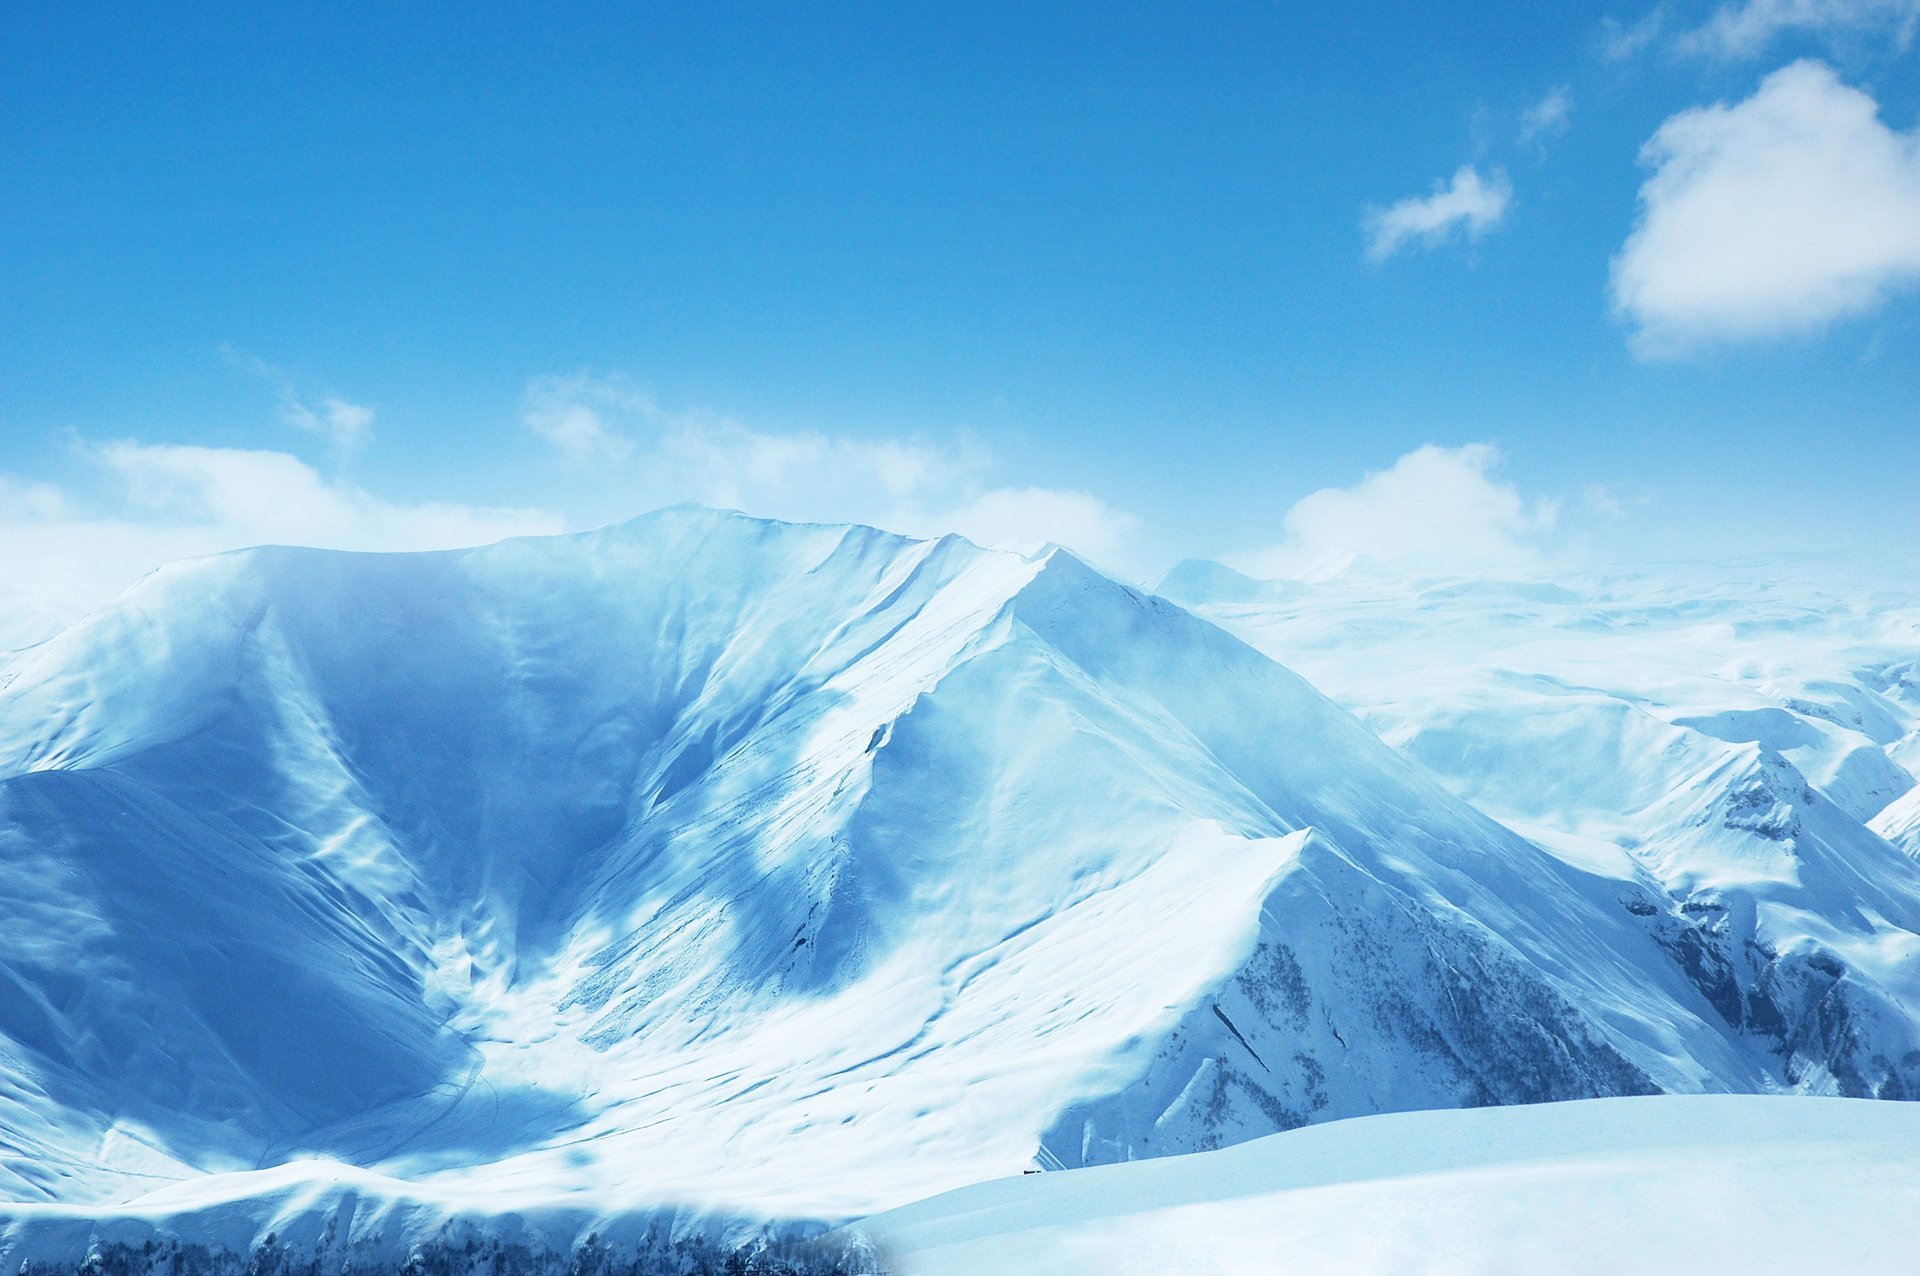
(791, 869)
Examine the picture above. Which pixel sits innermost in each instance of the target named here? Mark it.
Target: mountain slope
(1740, 745)
(799, 870)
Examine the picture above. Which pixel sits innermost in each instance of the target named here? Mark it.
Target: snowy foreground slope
(742, 870)
(1680, 1184)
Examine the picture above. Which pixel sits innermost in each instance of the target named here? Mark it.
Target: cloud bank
(1770, 216)
(64, 555)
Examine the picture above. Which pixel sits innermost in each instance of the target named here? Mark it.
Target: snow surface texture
(716, 865)
(1678, 1184)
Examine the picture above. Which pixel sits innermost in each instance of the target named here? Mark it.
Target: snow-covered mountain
(804, 871)
(1742, 739)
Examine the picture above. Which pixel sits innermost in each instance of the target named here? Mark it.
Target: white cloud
(1747, 29)
(1468, 203)
(569, 413)
(1769, 216)
(64, 551)
(20, 499)
(1601, 500)
(249, 497)
(1437, 509)
(918, 486)
(1622, 40)
(1026, 518)
(344, 424)
(60, 556)
(1548, 117)
(714, 460)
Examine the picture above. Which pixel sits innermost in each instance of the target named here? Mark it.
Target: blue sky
(1094, 272)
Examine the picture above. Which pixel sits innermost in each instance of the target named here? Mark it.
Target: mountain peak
(1199, 581)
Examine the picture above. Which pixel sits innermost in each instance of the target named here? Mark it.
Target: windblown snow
(793, 871)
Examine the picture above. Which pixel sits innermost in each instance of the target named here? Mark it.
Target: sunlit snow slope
(801, 870)
(1669, 1184)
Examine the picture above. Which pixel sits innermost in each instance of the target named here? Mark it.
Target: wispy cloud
(139, 504)
(341, 423)
(1028, 517)
(1769, 216)
(1747, 29)
(570, 414)
(1469, 204)
(1620, 41)
(1548, 118)
(344, 424)
(1439, 509)
(613, 428)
